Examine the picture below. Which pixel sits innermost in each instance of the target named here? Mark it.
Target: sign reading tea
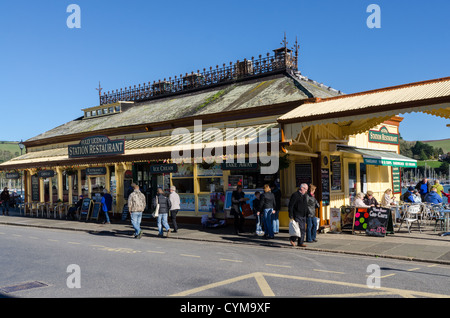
(96, 146)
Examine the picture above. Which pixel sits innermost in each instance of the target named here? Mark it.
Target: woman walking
(267, 206)
(164, 208)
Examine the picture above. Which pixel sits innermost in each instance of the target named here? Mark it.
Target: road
(78, 264)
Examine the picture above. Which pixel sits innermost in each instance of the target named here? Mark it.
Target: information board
(96, 210)
(361, 219)
(378, 221)
(85, 209)
(125, 212)
(325, 178)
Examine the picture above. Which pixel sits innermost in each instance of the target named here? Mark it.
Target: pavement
(428, 246)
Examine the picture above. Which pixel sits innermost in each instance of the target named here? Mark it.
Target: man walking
(298, 210)
(136, 206)
(175, 207)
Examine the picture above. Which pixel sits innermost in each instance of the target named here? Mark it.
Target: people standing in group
(136, 206)
(163, 212)
(423, 187)
(311, 220)
(298, 210)
(237, 200)
(174, 207)
(275, 216)
(439, 187)
(267, 206)
(5, 197)
(106, 205)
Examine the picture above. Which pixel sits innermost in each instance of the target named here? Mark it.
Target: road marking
(189, 255)
(275, 265)
(325, 271)
(74, 243)
(157, 252)
(412, 269)
(231, 260)
(388, 275)
(17, 235)
(33, 237)
(262, 283)
(94, 245)
(52, 240)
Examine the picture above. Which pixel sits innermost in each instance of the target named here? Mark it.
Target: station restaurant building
(344, 144)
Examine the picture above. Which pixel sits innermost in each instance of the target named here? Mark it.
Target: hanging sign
(46, 174)
(12, 175)
(96, 146)
(95, 171)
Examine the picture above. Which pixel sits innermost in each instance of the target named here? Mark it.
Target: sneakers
(138, 236)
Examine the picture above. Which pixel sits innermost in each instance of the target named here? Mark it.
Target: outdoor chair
(438, 216)
(411, 215)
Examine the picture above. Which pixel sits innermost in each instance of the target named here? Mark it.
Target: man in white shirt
(175, 207)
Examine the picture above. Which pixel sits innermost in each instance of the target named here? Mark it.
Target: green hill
(9, 150)
(444, 144)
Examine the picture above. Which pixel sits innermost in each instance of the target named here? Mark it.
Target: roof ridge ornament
(280, 61)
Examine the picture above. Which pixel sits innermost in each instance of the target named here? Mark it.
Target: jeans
(276, 222)
(136, 218)
(5, 205)
(162, 221)
(106, 216)
(311, 229)
(268, 223)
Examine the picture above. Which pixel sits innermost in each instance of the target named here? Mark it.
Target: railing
(283, 59)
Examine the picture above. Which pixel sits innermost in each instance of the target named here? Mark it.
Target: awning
(144, 149)
(380, 157)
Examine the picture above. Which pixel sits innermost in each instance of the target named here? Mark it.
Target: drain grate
(22, 286)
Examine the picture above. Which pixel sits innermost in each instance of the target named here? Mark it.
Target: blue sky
(49, 72)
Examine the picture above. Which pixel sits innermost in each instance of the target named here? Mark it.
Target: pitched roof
(432, 97)
(234, 97)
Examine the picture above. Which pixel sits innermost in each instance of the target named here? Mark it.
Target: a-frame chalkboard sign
(85, 210)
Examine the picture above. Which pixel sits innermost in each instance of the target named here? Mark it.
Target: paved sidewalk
(428, 246)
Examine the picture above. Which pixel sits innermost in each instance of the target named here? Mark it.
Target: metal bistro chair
(411, 215)
(438, 216)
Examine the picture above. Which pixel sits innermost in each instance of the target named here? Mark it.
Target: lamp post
(21, 146)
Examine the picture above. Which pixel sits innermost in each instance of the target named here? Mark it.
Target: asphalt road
(78, 264)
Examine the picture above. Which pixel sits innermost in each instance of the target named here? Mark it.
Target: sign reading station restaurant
(96, 146)
(383, 136)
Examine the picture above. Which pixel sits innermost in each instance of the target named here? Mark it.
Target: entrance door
(147, 183)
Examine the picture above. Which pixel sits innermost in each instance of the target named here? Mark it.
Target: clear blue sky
(49, 72)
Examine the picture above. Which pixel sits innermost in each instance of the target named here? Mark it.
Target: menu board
(325, 179)
(96, 211)
(336, 174)
(396, 180)
(378, 221)
(303, 174)
(34, 188)
(85, 209)
(361, 219)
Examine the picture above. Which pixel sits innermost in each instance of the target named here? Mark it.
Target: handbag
(246, 210)
(294, 229)
(156, 212)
